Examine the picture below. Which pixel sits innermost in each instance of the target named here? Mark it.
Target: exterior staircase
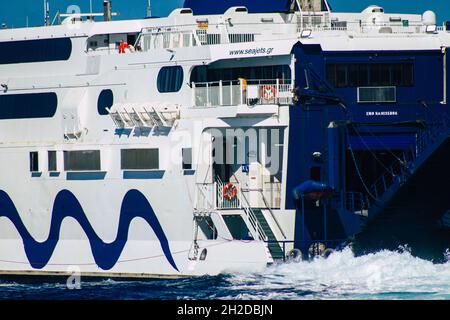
(430, 141)
(274, 247)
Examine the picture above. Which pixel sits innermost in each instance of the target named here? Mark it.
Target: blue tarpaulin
(203, 7)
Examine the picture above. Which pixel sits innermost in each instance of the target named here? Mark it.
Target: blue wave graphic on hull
(106, 255)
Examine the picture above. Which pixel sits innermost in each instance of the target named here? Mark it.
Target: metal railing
(401, 170)
(205, 198)
(272, 214)
(431, 134)
(222, 203)
(320, 22)
(394, 174)
(233, 93)
(172, 37)
(210, 197)
(253, 219)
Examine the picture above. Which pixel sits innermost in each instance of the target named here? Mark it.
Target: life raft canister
(268, 92)
(229, 191)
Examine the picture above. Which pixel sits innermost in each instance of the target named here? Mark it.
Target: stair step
(274, 248)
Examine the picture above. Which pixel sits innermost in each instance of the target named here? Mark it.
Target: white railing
(320, 23)
(223, 203)
(167, 39)
(187, 36)
(233, 93)
(210, 196)
(205, 195)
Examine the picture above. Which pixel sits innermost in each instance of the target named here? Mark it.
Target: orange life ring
(229, 191)
(268, 92)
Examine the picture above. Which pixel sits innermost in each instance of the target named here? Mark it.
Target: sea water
(382, 275)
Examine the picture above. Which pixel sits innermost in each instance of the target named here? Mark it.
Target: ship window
(208, 74)
(377, 94)
(187, 158)
(52, 166)
(170, 79)
(140, 159)
(28, 106)
(35, 50)
(341, 76)
(86, 160)
(34, 161)
(105, 100)
(374, 75)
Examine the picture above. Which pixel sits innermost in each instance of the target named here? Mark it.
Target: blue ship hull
(386, 163)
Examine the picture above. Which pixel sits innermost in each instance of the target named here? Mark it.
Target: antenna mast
(107, 10)
(46, 12)
(149, 9)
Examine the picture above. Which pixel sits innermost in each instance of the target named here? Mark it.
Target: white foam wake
(383, 275)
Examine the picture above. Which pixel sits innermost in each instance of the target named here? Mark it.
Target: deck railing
(233, 93)
(210, 196)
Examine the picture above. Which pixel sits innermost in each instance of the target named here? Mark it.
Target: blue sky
(15, 13)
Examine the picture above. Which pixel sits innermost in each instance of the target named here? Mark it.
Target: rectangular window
(331, 74)
(34, 161)
(341, 75)
(40, 50)
(187, 158)
(86, 160)
(353, 75)
(140, 159)
(377, 94)
(370, 75)
(363, 75)
(408, 75)
(268, 73)
(52, 165)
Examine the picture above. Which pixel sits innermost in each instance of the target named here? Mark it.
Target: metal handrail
(272, 214)
(248, 210)
(398, 172)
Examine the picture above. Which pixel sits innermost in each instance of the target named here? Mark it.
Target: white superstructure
(123, 175)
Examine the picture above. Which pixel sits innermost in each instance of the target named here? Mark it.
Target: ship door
(221, 155)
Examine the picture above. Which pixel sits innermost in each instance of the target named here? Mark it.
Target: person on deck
(123, 46)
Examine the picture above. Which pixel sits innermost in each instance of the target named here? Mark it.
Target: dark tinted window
(34, 161)
(35, 50)
(370, 75)
(52, 166)
(170, 79)
(82, 160)
(105, 100)
(27, 106)
(140, 159)
(187, 158)
(208, 74)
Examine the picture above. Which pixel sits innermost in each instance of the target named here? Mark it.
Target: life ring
(229, 191)
(268, 92)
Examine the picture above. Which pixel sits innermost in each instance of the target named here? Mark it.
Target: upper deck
(79, 60)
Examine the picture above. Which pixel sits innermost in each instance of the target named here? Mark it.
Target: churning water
(383, 275)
